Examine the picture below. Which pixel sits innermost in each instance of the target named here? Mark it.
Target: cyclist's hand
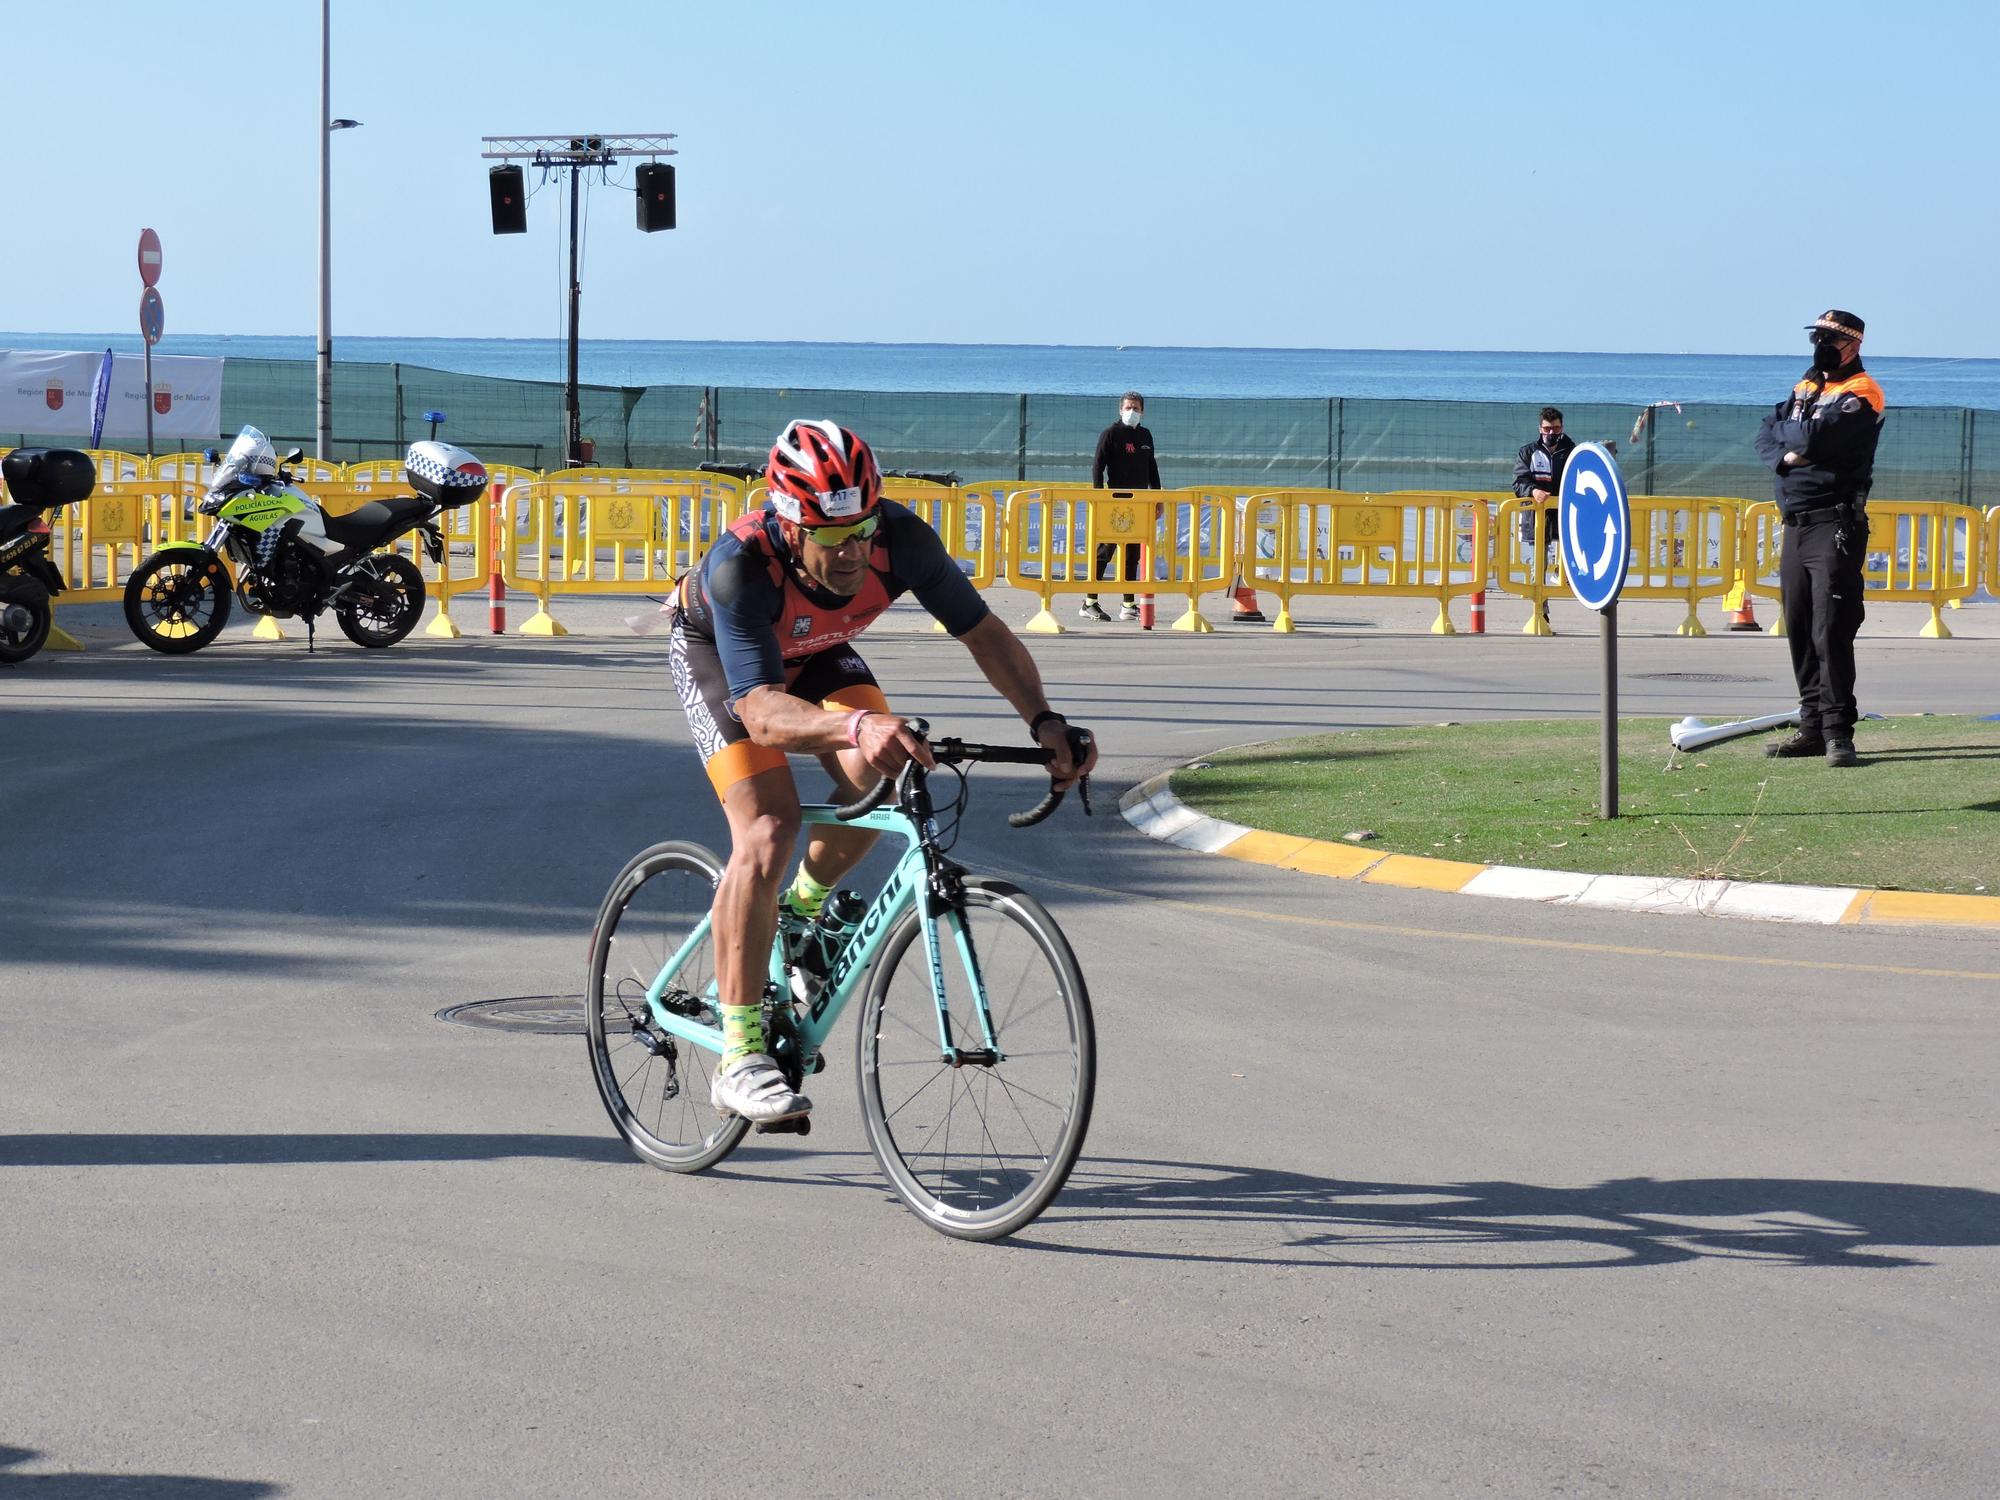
(887, 743)
(1064, 769)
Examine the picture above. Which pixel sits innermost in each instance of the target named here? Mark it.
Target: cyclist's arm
(775, 718)
(1013, 673)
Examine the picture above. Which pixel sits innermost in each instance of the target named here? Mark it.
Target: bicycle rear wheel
(655, 1085)
(977, 1151)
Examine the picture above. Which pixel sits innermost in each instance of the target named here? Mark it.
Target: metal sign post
(152, 316)
(1597, 545)
(152, 323)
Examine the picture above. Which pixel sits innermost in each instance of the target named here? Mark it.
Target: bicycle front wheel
(655, 1085)
(978, 1149)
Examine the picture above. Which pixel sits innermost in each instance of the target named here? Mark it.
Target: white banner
(48, 395)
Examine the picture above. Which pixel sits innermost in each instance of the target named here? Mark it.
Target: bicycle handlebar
(955, 752)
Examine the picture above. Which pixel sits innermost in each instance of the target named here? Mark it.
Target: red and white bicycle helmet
(821, 474)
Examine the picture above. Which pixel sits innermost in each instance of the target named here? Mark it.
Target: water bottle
(820, 942)
(838, 921)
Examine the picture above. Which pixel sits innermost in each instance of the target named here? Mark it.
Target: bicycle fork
(944, 901)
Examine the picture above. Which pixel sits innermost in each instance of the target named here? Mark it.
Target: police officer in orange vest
(1820, 442)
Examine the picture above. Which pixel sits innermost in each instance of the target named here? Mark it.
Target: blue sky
(1684, 177)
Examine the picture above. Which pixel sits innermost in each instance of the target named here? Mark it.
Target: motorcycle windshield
(250, 455)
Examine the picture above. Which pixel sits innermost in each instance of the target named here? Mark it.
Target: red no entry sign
(149, 258)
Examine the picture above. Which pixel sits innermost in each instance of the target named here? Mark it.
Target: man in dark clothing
(1538, 474)
(1820, 442)
(1124, 461)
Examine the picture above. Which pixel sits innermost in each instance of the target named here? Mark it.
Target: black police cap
(1833, 320)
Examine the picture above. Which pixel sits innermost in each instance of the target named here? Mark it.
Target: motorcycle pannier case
(47, 477)
(447, 475)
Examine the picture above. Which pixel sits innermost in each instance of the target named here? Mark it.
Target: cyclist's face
(839, 570)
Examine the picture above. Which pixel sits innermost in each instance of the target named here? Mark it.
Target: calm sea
(1428, 374)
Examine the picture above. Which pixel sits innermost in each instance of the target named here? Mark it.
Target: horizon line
(935, 344)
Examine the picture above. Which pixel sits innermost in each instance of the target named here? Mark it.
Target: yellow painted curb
(1924, 906)
(1422, 872)
(1419, 872)
(1262, 848)
(1342, 860)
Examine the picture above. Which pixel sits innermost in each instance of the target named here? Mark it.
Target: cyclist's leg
(754, 783)
(763, 813)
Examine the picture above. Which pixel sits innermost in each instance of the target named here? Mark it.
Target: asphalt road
(1387, 1193)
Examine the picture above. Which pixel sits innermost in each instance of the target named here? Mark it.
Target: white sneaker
(1091, 611)
(1129, 612)
(754, 1088)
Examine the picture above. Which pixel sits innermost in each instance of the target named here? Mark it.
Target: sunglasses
(834, 536)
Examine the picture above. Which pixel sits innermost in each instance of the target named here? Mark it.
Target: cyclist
(762, 660)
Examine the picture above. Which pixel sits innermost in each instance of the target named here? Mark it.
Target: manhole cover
(535, 1015)
(1697, 677)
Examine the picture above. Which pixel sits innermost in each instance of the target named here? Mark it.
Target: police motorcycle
(38, 480)
(292, 558)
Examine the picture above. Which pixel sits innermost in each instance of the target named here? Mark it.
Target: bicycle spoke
(660, 901)
(984, 1157)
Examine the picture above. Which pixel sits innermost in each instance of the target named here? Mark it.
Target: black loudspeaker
(508, 185)
(656, 196)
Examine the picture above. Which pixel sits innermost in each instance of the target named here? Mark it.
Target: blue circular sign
(152, 315)
(1596, 526)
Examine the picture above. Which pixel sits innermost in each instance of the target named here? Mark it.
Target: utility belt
(1847, 514)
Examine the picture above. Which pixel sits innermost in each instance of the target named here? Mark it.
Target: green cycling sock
(808, 895)
(742, 1031)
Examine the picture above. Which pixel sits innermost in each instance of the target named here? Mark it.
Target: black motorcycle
(293, 558)
(38, 479)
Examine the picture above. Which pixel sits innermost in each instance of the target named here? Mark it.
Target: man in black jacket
(1124, 461)
(1538, 476)
(1820, 442)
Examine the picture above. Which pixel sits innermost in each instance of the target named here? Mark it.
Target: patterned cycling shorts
(837, 679)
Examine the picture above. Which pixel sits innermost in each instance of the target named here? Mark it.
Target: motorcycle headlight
(211, 504)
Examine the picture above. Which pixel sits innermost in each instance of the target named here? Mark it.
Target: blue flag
(100, 397)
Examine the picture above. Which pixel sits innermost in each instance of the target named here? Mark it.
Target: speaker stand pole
(572, 411)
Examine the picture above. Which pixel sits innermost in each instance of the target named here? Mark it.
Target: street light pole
(323, 429)
(323, 425)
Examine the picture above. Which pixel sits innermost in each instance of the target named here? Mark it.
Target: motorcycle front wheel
(17, 645)
(178, 601)
(390, 611)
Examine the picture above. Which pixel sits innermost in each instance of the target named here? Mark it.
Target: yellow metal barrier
(1760, 532)
(1919, 552)
(1683, 548)
(1312, 542)
(1923, 552)
(1991, 566)
(967, 519)
(603, 532)
(1054, 531)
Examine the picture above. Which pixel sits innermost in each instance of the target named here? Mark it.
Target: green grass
(1921, 812)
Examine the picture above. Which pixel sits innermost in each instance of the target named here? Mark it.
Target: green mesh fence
(1927, 453)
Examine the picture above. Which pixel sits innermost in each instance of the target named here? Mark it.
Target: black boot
(1840, 752)
(1803, 742)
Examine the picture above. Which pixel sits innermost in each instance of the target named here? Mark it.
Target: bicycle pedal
(796, 1125)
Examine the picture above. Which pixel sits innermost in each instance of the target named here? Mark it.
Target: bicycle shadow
(78, 1486)
(1218, 1214)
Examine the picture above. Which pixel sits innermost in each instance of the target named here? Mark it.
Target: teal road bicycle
(976, 1052)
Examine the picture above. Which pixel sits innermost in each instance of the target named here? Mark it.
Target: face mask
(1129, 417)
(1826, 358)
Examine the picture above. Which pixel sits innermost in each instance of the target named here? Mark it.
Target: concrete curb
(1154, 810)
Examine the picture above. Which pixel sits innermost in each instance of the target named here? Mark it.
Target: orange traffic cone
(1744, 618)
(1246, 610)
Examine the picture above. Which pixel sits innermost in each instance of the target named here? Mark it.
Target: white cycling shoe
(753, 1088)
